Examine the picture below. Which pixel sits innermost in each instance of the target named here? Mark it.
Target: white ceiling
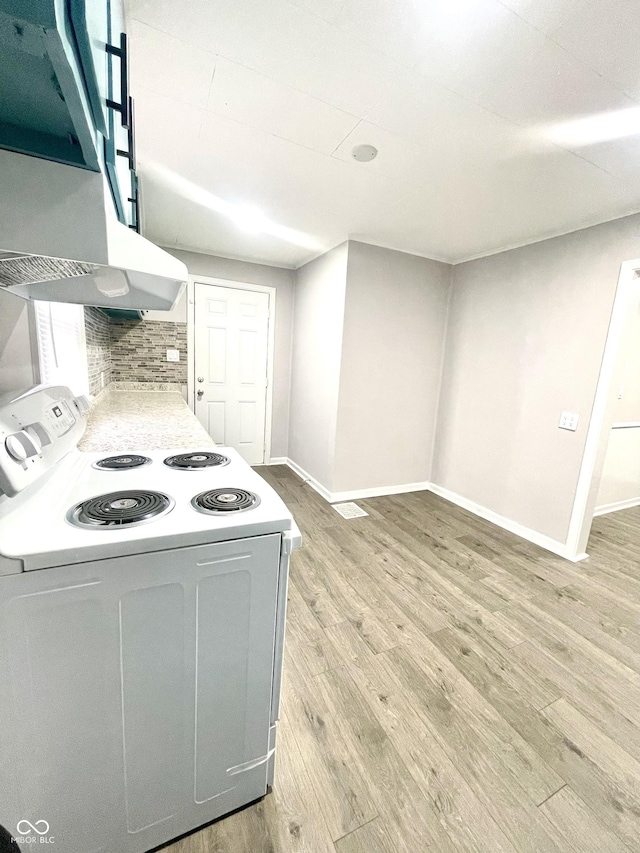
(259, 102)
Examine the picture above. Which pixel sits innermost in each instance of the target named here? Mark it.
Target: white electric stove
(142, 614)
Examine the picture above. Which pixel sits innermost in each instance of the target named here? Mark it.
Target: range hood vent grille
(30, 269)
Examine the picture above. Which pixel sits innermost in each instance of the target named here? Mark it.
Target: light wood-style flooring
(450, 687)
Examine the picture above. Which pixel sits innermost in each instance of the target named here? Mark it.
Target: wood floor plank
(306, 638)
(347, 641)
(622, 771)
(604, 696)
(586, 777)
(618, 614)
(399, 800)
(324, 741)
(574, 822)
(373, 836)
(587, 622)
(456, 608)
(537, 621)
(426, 614)
(534, 688)
(300, 820)
(534, 576)
(319, 599)
(419, 537)
(481, 809)
(467, 822)
(466, 721)
(361, 538)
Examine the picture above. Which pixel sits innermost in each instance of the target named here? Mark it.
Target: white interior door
(231, 342)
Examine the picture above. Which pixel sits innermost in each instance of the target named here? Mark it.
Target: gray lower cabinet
(136, 698)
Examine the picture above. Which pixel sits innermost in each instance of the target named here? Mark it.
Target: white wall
(316, 355)
(525, 340)
(18, 347)
(392, 349)
(282, 280)
(620, 479)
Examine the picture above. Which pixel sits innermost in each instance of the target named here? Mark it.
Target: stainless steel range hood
(60, 241)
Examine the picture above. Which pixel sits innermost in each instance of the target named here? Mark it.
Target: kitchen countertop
(142, 420)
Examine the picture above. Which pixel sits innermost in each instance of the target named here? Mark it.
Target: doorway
(230, 376)
(603, 416)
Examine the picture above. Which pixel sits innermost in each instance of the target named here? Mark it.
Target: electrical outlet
(569, 420)
(173, 355)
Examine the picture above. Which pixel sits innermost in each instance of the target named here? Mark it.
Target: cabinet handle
(121, 106)
(135, 200)
(130, 154)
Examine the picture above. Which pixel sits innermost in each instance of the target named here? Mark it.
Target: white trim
(191, 340)
(62, 345)
(320, 253)
(551, 235)
(626, 425)
(546, 542)
(307, 478)
(614, 507)
(379, 491)
(355, 494)
(277, 460)
(191, 350)
(553, 545)
(438, 260)
(584, 500)
(182, 247)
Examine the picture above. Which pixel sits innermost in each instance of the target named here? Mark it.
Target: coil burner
(120, 509)
(196, 461)
(224, 501)
(121, 463)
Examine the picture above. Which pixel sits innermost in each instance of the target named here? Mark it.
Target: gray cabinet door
(136, 693)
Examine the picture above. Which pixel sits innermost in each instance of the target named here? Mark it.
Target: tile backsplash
(96, 328)
(139, 351)
(133, 351)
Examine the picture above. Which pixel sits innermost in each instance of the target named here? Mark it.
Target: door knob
(200, 394)
(200, 378)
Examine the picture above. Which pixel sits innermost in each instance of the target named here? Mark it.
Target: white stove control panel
(37, 429)
(59, 419)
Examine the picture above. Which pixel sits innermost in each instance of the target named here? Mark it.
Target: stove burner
(195, 461)
(119, 509)
(121, 463)
(225, 500)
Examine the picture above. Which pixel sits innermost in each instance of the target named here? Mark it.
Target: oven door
(136, 700)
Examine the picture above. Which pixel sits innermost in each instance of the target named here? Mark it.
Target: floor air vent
(349, 510)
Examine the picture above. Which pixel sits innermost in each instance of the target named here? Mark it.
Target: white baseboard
(553, 545)
(546, 542)
(614, 507)
(304, 475)
(379, 491)
(277, 460)
(355, 494)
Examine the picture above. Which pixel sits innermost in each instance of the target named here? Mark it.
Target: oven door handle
(291, 539)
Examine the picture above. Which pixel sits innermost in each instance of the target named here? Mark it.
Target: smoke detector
(364, 153)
